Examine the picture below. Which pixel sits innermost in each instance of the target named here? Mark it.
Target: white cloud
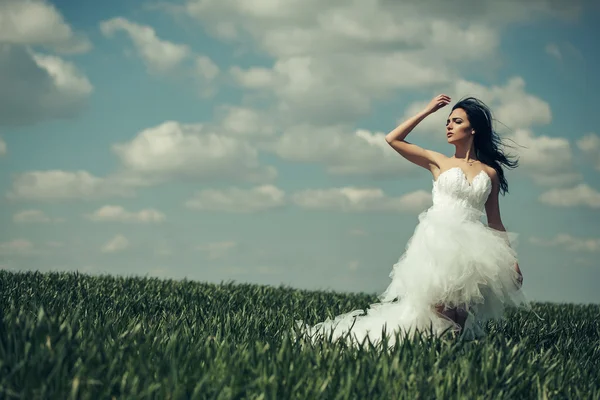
(590, 146)
(353, 199)
(346, 25)
(167, 152)
(238, 200)
(333, 59)
(327, 90)
(543, 151)
(159, 55)
(565, 53)
(117, 244)
(553, 51)
(3, 147)
(38, 23)
(581, 195)
(547, 160)
(34, 216)
(330, 68)
(343, 151)
(205, 74)
(244, 122)
(569, 242)
(206, 68)
(189, 151)
(119, 214)
(54, 185)
(253, 77)
(162, 56)
(16, 247)
(38, 87)
(557, 179)
(65, 75)
(217, 250)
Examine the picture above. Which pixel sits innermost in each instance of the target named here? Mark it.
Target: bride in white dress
(456, 273)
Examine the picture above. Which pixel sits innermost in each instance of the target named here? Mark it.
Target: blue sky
(216, 141)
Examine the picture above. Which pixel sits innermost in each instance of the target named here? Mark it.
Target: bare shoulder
(492, 173)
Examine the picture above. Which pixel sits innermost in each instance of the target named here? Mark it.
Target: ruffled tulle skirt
(452, 259)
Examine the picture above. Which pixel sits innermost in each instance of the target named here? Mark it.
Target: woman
(456, 272)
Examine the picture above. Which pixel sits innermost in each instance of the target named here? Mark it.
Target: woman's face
(458, 127)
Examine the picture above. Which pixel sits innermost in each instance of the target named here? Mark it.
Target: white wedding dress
(452, 259)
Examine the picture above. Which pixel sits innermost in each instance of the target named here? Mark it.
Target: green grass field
(66, 336)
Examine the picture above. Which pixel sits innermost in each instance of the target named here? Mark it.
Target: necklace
(469, 163)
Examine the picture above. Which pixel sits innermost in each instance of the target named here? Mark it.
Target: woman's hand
(520, 278)
(436, 103)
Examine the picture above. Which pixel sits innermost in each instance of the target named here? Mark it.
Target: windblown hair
(487, 142)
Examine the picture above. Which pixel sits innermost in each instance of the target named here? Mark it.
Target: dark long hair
(487, 142)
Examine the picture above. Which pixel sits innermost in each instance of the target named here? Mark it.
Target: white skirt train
(452, 259)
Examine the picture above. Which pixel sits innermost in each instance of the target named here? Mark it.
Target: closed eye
(456, 120)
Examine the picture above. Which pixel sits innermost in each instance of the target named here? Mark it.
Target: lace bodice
(453, 189)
